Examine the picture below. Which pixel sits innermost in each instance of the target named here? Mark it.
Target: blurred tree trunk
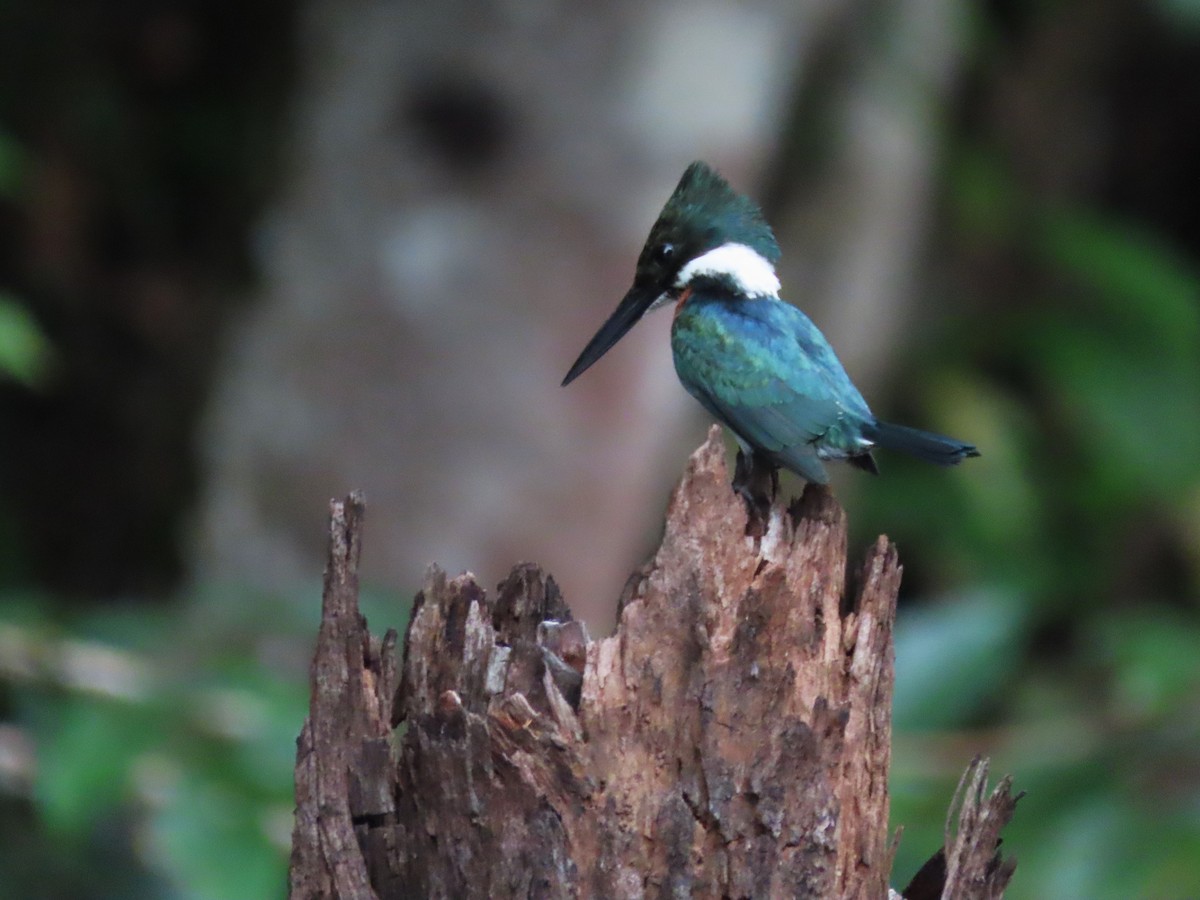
(731, 739)
(470, 186)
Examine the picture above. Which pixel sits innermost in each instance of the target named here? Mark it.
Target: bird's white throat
(750, 273)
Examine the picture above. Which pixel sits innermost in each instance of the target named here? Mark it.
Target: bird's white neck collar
(749, 272)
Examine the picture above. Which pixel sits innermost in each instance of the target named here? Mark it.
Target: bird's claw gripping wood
(757, 482)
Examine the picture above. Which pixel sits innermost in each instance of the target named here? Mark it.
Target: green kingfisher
(755, 362)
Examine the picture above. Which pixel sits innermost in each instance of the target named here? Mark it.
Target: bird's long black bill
(627, 314)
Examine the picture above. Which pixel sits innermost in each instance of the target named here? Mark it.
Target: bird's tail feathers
(934, 448)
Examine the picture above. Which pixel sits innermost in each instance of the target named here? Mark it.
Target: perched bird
(756, 363)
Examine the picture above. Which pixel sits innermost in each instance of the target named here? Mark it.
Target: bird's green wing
(761, 367)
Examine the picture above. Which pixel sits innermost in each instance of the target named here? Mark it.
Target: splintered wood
(731, 739)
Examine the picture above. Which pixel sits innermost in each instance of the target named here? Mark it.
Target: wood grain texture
(974, 866)
(344, 773)
(731, 739)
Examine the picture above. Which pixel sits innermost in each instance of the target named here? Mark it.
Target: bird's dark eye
(664, 253)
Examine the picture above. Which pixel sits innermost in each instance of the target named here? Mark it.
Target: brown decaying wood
(974, 867)
(731, 739)
(342, 754)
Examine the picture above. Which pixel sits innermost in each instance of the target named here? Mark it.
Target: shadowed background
(255, 255)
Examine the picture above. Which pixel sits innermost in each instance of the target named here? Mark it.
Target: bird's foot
(757, 482)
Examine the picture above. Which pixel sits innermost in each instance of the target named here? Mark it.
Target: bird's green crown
(703, 213)
(707, 209)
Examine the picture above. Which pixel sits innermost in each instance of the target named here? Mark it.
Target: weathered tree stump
(731, 739)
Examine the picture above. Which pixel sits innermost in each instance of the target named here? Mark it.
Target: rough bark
(974, 867)
(344, 769)
(731, 739)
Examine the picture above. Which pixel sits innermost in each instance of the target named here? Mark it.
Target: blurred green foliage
(12, 163)
(164, 744)
(138, 144)
(1072, 658)
(25, 353)
(24, 350)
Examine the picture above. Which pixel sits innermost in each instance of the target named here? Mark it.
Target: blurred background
(256, 254)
